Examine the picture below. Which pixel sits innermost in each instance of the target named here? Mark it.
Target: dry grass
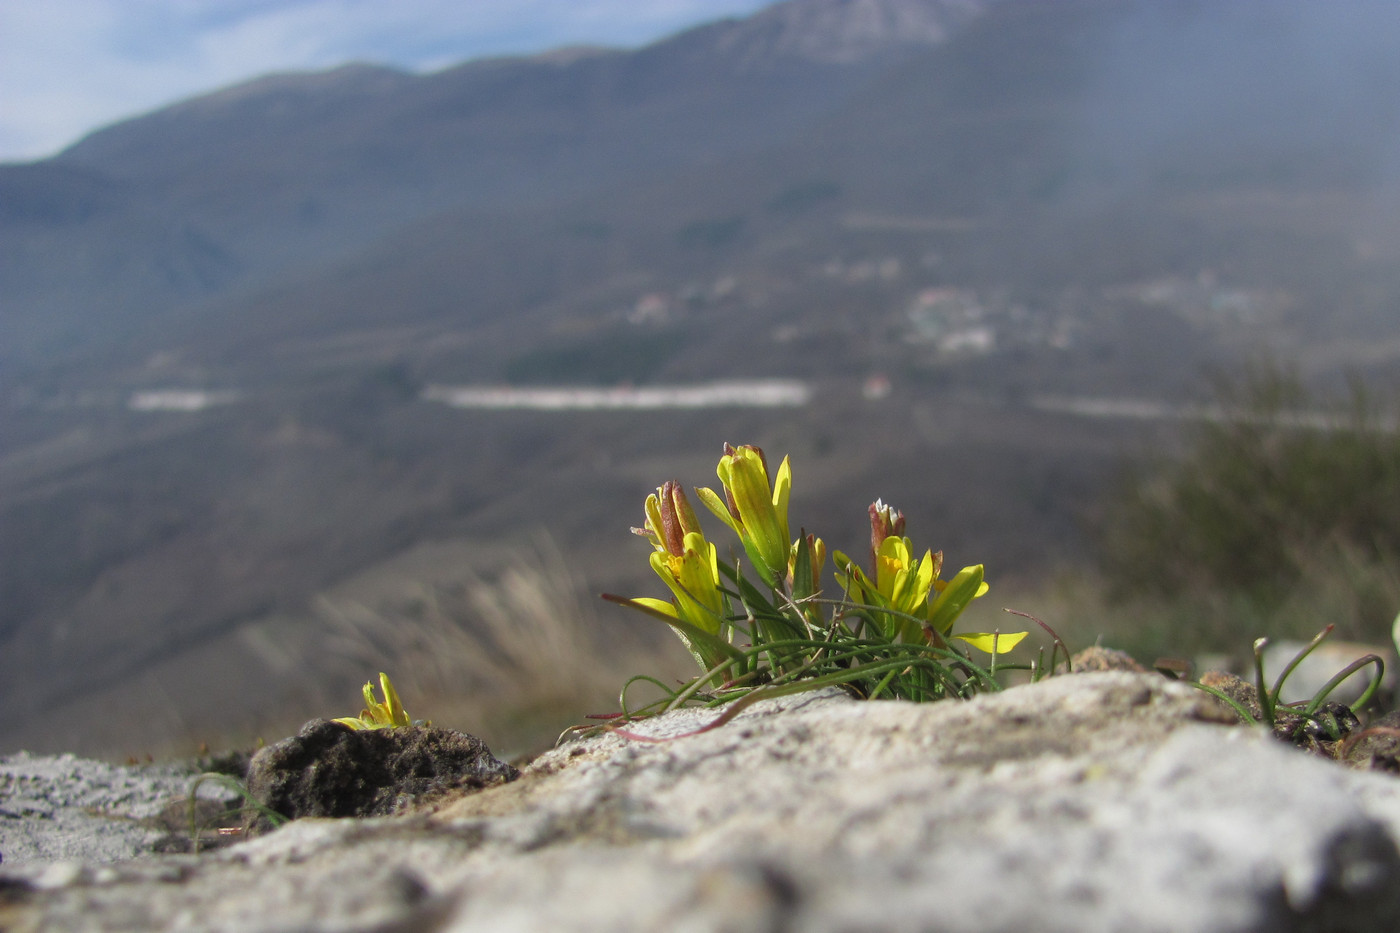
(513, 656)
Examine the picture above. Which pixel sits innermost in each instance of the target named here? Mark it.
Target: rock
(1377, 747)
(58, 808)
(330, 770)
(1236, 688)
(1098, 658)
(1107, 801)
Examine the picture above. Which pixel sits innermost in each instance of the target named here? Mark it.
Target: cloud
(69, 66)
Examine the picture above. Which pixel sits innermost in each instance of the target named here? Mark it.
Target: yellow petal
(782, 488)
(658, 605)
(993, 642)
(717, 505)
(653, 510)
(924, 579)
(392, 707)
(954, 597)
(891, 559)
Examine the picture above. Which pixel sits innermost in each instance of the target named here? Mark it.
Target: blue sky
(70, 66)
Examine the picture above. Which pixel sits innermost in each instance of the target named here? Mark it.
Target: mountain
(233, 187)
(980, 207)
(840, 31)
(1013, 153)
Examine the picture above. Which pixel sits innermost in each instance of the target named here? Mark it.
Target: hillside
(982, 207)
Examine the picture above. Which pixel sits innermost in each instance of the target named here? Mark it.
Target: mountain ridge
(303, 168)
(843, 31)
(829, 32)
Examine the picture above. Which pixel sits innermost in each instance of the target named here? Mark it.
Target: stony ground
(1107, 801)
(56, 808)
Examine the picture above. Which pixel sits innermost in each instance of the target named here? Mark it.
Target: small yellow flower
(756, 512)
(910, 590)
(689, 566)
(376, 715)
(693, 576)
(901, 585)
(904, 583)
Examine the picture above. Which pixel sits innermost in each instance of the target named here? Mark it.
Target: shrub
(1273, 496)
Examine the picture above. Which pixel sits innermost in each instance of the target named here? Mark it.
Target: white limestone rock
(1110, 801)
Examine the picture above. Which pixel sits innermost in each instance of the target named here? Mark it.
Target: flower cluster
(900, 610)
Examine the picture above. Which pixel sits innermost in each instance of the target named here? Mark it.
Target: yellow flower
(683, 559)
(901, 585)
(693, 576)
(903, 582)
(757, 513)
(689, 566)
(376, 715)
(906, 588)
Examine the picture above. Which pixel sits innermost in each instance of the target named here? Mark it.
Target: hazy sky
(70, 66)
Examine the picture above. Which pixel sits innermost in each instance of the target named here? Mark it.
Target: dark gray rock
(328, 769)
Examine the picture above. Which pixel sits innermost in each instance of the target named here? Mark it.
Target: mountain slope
(224, 191)
(1011, 145)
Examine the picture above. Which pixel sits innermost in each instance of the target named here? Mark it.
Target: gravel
(59, 808)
